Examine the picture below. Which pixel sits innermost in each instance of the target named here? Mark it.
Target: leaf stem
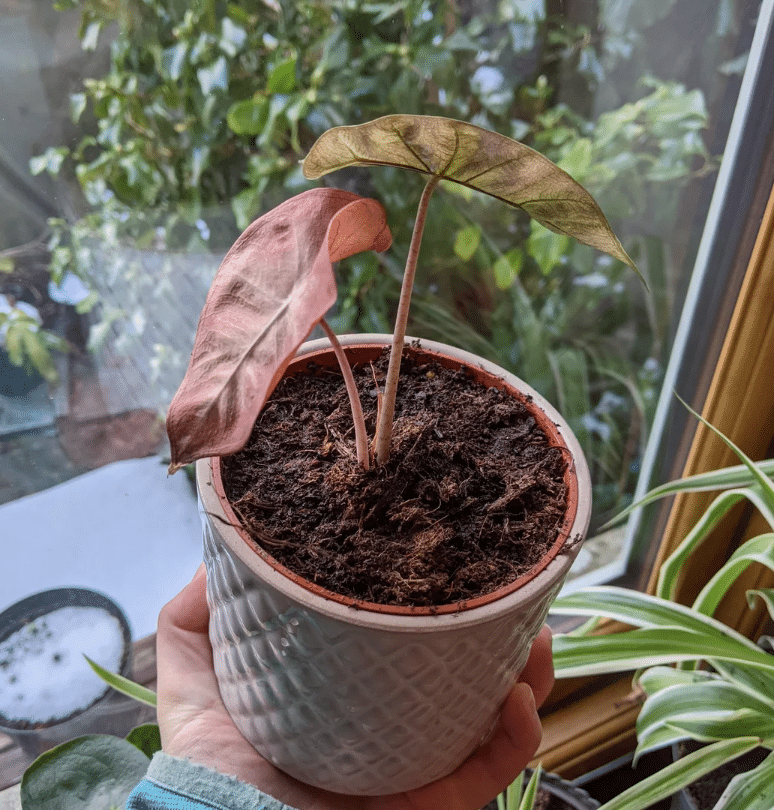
(384, 427)
(361, 437)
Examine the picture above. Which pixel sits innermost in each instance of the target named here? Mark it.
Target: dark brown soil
(471, 498)
(706, 791)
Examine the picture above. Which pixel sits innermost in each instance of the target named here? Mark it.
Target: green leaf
(77, 106)
(641, 610)
(655, 679)
(50, 161)
(634, 649)
(507, 268)
(467, 241)
(712, 725)
(531, 791)
(756, 550)
(36, 348)
(14, 345)
(753, 790)
(759, 477)
(147, 738)
(124, 685)
(707, 710)
(248, 117)
(477, 158)
(680, 774)
(283, 78)
(766, 594)
(96, 772)
(6, 265)
(726, 478)
(669, 574)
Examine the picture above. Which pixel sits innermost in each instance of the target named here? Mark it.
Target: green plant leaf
(679, 774)
(467, 241)
(146, 737)
(704, 711)
(36, 349)
(654, 679)
(531, 791)
(507, 268)
(766, 594)
(477, 158)
(727, 478)
(647, 647)
(124, 685)
(756, 550)
(96, 772)
(669, 574)
(283, 78)
(641, 610)
(713, 725)
(273, 286)
(752, 679)
(753, 790)
(248, 117)
(759, 477)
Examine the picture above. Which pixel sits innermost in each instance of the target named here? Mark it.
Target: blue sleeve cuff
(178, 784)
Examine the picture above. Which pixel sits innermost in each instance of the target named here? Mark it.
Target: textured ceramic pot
(360, 698)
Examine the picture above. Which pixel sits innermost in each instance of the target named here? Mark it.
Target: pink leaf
(273, 286)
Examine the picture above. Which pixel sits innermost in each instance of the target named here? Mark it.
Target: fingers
(539, 669)
(186, 679)
(188, 610)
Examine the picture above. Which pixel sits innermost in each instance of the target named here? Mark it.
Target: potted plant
(543, 791)
(329, 684)
(719, 694)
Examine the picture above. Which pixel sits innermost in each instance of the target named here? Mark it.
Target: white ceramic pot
(360, 698)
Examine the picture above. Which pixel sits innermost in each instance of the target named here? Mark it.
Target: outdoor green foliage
(720, 692)
(207, 109)
(26, 343)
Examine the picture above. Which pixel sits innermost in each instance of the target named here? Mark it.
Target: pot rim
(551, 569)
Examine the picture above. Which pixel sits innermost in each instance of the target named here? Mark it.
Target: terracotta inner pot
(364, 353)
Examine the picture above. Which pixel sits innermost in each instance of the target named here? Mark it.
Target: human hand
(194, 723)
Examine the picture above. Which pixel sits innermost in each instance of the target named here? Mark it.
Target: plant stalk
(383, 438)
(361, 437)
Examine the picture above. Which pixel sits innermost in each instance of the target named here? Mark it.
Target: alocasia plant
(276, 282)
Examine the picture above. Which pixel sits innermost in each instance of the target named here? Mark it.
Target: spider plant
(701, 679)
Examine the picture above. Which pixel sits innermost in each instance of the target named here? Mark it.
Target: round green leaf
(146, 737)
(248, 117)
(96, 772)
(467, 241)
